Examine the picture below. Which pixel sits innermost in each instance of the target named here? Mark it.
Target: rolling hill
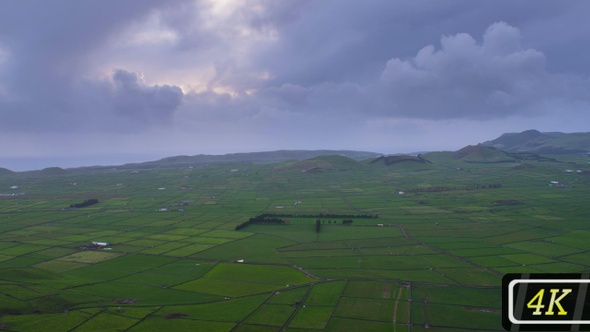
(267, 157)
(544, 143)
(481, 154)
(5, 171)
(396, 159)
(321, 164)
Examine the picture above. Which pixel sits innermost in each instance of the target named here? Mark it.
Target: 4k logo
(546, 302)
(537, 302)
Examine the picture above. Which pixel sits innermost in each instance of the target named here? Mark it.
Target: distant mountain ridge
(538, 142)
(527, 145)
(266, 157)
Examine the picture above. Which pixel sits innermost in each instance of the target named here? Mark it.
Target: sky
(105, 82)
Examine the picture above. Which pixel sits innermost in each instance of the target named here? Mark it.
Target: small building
(100, 244)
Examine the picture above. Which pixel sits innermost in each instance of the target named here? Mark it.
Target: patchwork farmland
(444, 234)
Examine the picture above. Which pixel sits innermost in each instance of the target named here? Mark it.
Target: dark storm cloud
(47, 45)
(134, 98)
(341, 40)
(51, 40)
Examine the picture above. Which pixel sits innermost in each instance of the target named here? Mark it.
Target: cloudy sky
(110, 81)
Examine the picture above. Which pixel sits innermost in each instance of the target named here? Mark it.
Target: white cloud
(465, 79)
(462, 79)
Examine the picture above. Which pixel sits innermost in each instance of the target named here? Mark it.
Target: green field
(430, 260)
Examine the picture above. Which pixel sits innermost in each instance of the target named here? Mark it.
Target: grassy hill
(480, 154)
(391, 160)
(5, 171)
(545, 143)
(399, 163)
(266, 157)
(320, 164)
(52, 171)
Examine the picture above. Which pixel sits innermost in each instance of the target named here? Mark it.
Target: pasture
(433, 259)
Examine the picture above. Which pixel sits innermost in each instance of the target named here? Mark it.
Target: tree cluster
(353, 216)
(447, 188)
(318, 225)
(321, 215)
(86, 203)
(275, 219)
(261, 219)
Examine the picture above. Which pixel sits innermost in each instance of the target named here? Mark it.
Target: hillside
(52, 171)
(320, 164)
(538, 142)
(396, 159)
(5, 171)
(267, 157)
(481, 154)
